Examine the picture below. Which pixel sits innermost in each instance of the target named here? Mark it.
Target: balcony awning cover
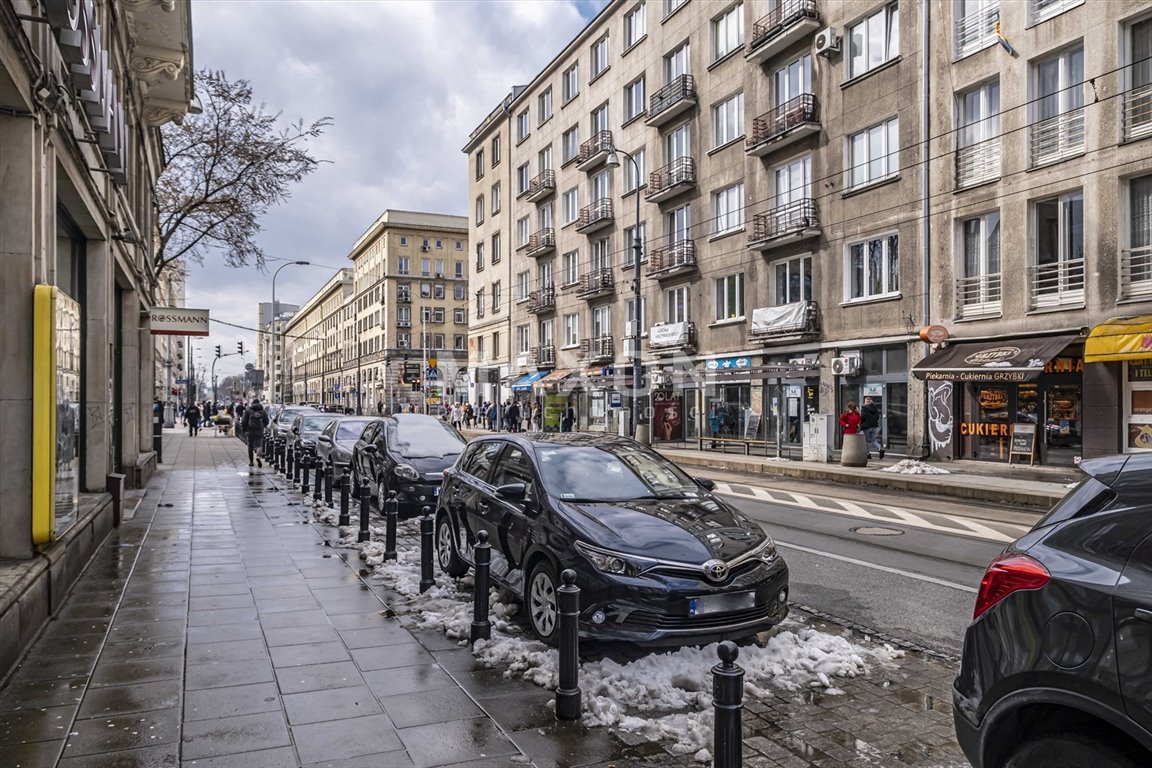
(780, 319)
(1121, 338)
(525, 382)
(555, 377)
(995, 360)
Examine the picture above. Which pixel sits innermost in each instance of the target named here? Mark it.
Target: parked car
(280, 426)
(658, 558)
(306, 430)
(407, 453)
(1055, 671)
(338, 440)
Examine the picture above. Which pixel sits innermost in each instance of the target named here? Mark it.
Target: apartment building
(818, 208)
(270, 320)
(311, 335)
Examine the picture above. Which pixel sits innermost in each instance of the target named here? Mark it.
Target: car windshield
(315, 423)
(350, 431)
(602, 473)
(424, 438)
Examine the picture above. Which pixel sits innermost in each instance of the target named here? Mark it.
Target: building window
(978, 287)
(978, 134)
(1136, 259)
(425, 290)
(1057, 272)
(544, 274)
(634, 100)
(496, 253)
(544, 159)
(974, 25)
(874, 40)
(571, 265)
(439, 267)
(523, 179)
(425, 267)
(599, 59)
(480, 353)
(873, 153)
(570, 145)
(570, 205)
(636, 176)
(873, 268)
(678, 143)
(523, 339)
(571, 330)
(480, 257)
(544, 105)
(676, 305)
(404, 316)
(459, 265)
(678, 224)
(601, 185)
(402, 265)
(459, 316)
(793, 281)
(631, 235)
(496, 296)
(728, 208)
(459, 245)
(404, 340)
(1042, 10)
(570, 83)
(792, 80)
(480, 209)
(495, 195)
(523, 279)
(459, 342)
(599, 119)
(544, 214)
(671, 6)
(728, 32)
(728, 120)
(479, 164)
(602, 321)
(601, 254)
(523, 126)
(634, 27)
(438, 291)
(639, 328)
(458, 292)
(730, 297)
(546, 333)
(1137, 79)
(523, 227)
(676, 64)
(1057, 130)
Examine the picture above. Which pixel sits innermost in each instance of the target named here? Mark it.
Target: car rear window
(350, 431)
(1087, 498)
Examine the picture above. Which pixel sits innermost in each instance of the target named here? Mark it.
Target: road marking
(957, 525)
(877, 567)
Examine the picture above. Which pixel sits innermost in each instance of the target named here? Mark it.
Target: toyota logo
(716, 570)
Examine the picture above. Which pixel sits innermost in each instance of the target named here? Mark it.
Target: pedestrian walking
(255, 421)
(513, 416)
(537, 415)
(850, 419)
(568, 421)
(870, 424)
(492, 415)
(192, 419)
(715, 421)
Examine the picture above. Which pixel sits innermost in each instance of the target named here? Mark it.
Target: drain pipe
(925, 188)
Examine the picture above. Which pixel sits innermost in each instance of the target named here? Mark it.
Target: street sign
(432, 372)
(182, 381)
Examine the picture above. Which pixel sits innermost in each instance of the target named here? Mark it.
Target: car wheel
(543, 603)
(1068, 751)
(446, 554)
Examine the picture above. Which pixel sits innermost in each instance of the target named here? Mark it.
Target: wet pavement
(219, 627)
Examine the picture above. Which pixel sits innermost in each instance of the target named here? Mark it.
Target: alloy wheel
(542, 606)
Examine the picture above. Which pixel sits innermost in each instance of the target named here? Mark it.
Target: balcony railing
(541, 242)
(670, 260)
(597, 283)
(676, 177)
(787, 22)
(1057, 284)
(595, 151)
(976, 30)
(546, 356)
(674, 98)
(543, 185)
(597, 349)
(797, 220)
(800, 319)
(542, 300)
(1138, 112)
(977, 296)
(1136, 273)
(595, 216)
(978, 163)
(793, 120)
(1057, 138)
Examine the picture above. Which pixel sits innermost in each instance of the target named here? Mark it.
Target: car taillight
(1007, 574)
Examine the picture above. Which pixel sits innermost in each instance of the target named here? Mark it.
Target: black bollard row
(391, 515)
(297, 465)
(317, 480)
(329, 469)
(482, 556)
(305, 472)
(344, 499)
(278, 455)
(365, 504)
(427, 578)
(568, 690)
(727, 702)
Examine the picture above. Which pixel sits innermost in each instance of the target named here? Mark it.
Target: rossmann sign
(177, 321)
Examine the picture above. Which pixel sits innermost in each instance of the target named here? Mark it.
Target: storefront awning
(1122, 338)
(556, 376)
(524, 383)
(997, 360)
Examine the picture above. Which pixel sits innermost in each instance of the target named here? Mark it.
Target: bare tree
(226, 167)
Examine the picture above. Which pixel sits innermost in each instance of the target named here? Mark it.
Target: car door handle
(1144, 615)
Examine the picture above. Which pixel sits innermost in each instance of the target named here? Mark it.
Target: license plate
(735, 601)
(435, 491)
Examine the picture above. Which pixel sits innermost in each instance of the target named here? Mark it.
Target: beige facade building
(312, 335)
(812, 194)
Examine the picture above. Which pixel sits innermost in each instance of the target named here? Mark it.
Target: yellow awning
(1121, 338)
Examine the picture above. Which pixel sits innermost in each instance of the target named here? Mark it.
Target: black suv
(1057, 665)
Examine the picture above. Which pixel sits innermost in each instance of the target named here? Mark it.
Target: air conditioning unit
(424, 248)
(439, 274)
(827, 42)
(522, 361)
(845, 366)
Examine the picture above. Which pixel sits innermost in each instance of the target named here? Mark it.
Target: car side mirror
(706, 484)
(512, 491)
(370, 450)
(325, 439)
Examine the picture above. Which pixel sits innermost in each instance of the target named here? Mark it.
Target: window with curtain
(793, 281)
(730, 297)
(873, 268)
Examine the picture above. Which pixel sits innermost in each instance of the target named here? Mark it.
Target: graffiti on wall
(940, 416)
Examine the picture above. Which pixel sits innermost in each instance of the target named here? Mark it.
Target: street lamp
(637, 251)
(274, 313)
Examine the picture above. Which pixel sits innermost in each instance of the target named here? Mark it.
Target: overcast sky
(404, 81)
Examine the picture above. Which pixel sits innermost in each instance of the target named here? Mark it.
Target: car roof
(594, 439)
(1107, 469)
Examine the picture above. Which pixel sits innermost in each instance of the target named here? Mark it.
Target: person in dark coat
(870, 426)
(254, 423)
(192, 419)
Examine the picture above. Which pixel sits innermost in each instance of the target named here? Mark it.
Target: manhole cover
(876, 530)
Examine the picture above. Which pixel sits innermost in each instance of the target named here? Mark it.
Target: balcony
(797, 321)
(542, 186)
(1057, 284)
(1136, 273)
(597, 283)
(594, 152)
(975, 31)
(978, 163)
(671, 180)
(1138, 112)
(784, 224)
(546, 356)
(978, 296)
(672, 260)
(790, 21)
(786, 124)
(1057, 138)
(600, 349)
(541, 301)
(672, 338)
(595, 217)
(671, 100)
(541, 242)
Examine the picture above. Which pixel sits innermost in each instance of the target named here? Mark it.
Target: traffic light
(217, 350)
(240, 347)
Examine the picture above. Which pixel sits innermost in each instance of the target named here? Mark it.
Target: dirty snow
(914, 467)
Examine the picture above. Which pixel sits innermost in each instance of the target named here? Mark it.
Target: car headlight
(767, 551)
(613, 563)
(406, 472)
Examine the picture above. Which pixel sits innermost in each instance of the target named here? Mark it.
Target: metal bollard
(427, 578)
(317, 479)
(482, 555)
(391, 515)
(329, 469)
(344, 499)
(568, 690)
(727, 702)
(290, 470)
(297, 465)
(365, 503)
(281, 457)
(305, 473)
(276, 456)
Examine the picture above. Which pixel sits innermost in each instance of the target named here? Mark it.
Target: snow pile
(326, 516)
(914, 467)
